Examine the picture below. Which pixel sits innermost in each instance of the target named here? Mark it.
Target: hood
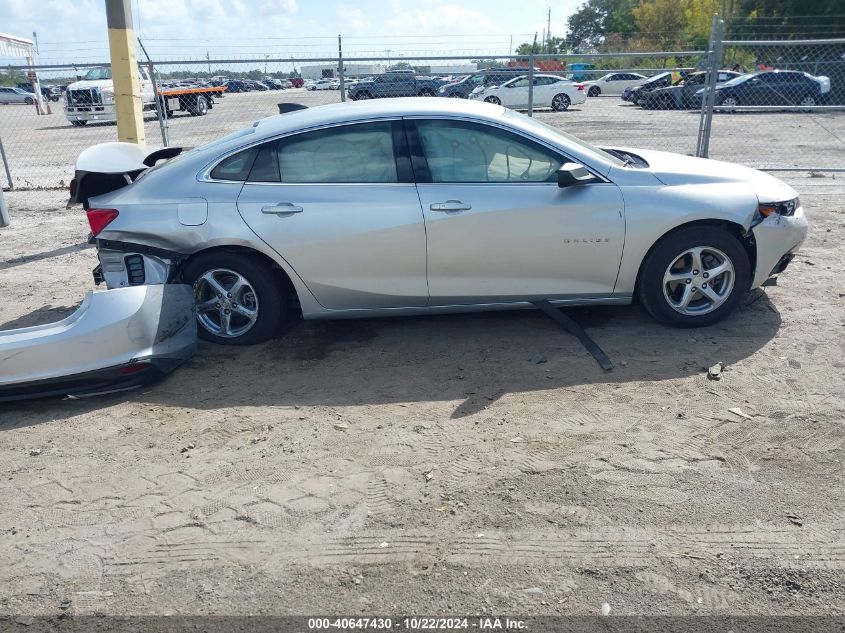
(677, 169)
(90, 83)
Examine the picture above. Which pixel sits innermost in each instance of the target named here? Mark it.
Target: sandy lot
(290, 478)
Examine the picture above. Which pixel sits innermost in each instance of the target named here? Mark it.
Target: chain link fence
(652, 100)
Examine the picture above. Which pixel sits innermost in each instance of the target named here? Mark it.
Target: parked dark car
(489, 77)
(682, 94)
(46, 91)
(237, 85)
(771, 88)
(393, 84)
(635, 93)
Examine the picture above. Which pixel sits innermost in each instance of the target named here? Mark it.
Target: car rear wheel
(694, 277)
(594, 91)
(78, 123)
(361, 96)
(560, 102)
(239, 300)
(29, 101)
(808, 101)
(493, 100)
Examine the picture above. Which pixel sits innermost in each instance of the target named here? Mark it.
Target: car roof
(374, 109)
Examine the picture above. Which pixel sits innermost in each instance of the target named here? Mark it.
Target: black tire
(493, 100)
(650, 285)
(29, 101)
(594, 91)
(426, 92)
(78, 123)
(363, 96)
(267, 289)
(561, 102)
(200, 107)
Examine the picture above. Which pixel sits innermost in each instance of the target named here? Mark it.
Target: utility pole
(549, 31)
(208, 58)
(124, 70)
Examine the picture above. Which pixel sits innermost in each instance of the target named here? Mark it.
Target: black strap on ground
(571, 326)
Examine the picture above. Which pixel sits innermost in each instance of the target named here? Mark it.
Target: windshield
(737, 80)
(568, 139)
(656, 78)
(98, 73)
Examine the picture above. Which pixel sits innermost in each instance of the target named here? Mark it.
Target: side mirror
(572, 174)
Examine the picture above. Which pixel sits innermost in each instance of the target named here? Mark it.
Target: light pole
(387, 50)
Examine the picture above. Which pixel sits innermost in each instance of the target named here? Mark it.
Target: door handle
(281, 209)
(450, 206)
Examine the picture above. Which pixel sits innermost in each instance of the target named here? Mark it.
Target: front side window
(361, 153)
(459, 151)
(519, 83)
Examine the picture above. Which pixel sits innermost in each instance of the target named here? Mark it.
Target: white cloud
(352, 18)
(433, 17)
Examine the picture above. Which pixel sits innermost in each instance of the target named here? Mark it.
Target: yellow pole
(124, 70)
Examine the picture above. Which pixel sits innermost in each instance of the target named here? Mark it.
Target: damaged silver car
(410, 206)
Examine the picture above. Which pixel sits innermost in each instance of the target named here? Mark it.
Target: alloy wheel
(227, 305)
(698, 281)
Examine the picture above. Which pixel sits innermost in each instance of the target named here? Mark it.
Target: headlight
(107, 96)
(785, 208)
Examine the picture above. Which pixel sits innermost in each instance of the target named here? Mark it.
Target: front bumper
(116, 340)
(92, 112)
(777, 237)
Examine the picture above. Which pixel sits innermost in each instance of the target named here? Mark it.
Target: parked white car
(550, 91)
(16, 95)
(613, 83)
(325, 84)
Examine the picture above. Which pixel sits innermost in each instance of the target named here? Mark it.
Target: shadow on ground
(472, 359)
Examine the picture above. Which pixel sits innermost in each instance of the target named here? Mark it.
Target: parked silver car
(408, 206)
(16, 95)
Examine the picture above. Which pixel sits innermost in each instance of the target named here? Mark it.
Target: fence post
(531, 81)
(161, 106)
(714, 60)
(340, 68)
(5, 220)
(6, 165)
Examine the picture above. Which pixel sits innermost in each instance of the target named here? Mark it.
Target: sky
(75, 30)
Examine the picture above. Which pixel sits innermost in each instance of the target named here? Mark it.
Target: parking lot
(42, 149)
(461, 464)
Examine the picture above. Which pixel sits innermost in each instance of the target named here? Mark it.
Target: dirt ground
(290, 477)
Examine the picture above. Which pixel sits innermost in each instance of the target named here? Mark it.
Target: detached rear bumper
(116, 340)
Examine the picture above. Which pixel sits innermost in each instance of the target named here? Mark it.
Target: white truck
(92, 98)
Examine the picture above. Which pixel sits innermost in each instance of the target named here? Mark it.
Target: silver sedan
(409, 206)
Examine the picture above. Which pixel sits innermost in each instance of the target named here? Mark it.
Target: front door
(340, 206)
(500, 229)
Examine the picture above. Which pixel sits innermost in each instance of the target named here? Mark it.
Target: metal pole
(531, 77)
(161, 107)
(5, 220)
(340, 68)
(6, 166)
(705, 124)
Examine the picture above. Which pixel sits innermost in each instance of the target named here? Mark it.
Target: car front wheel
(239, 300)
(694, 277)
(493, 100)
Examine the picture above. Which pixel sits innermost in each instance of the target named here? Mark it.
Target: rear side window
(235, 167)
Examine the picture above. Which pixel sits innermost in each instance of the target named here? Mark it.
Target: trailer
(195, 101)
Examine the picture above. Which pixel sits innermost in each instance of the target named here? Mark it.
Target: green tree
(595, 19)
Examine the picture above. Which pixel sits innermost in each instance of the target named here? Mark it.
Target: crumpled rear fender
(115, 340)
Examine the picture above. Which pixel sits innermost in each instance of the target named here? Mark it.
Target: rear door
(499, 228)
(340, 206)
